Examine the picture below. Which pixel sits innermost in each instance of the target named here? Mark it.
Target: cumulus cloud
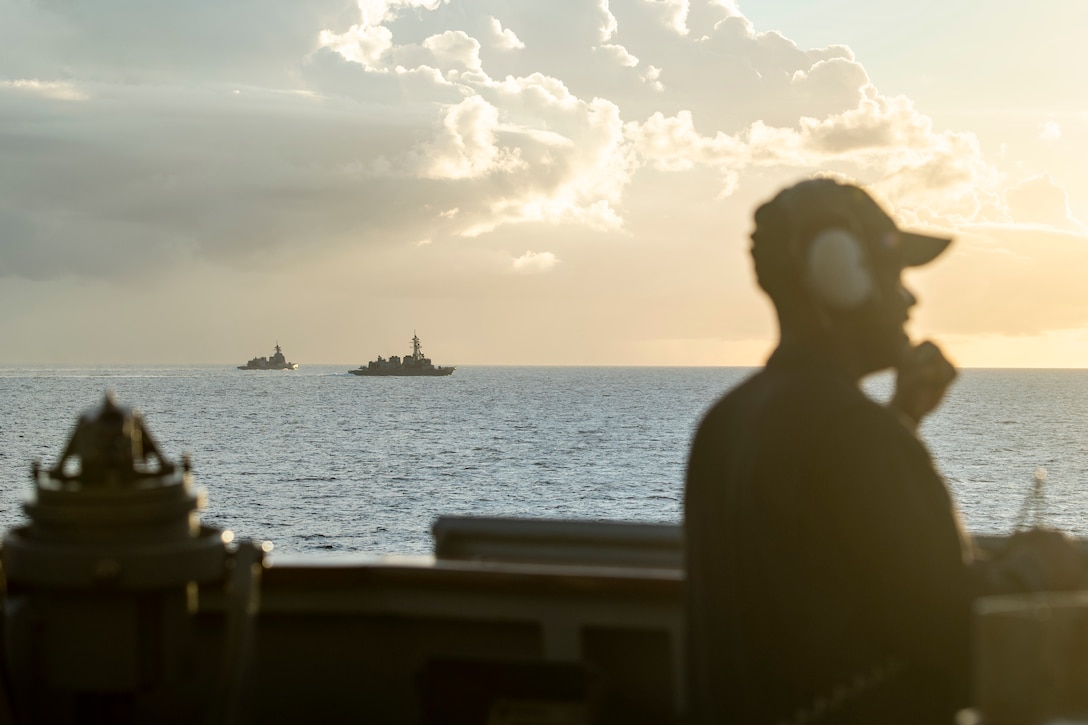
(674, 14)
(466, 147)
(505, 38)
(619, 55)
(535, 262)
(247, 134)
(652, 78)
(455, 49)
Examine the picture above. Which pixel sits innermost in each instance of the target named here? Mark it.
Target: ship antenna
(1032, 510)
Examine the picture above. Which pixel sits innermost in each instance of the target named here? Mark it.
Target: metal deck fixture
(105, 581)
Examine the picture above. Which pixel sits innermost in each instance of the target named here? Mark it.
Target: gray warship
(276, 362)
(414, 364)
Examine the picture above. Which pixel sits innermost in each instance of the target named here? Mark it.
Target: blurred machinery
(120, 607)
(104, 583)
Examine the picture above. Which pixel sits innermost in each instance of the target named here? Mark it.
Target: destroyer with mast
(276, 362)
(414, 364)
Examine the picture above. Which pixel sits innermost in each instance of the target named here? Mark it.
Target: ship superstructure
(276, 362)
(414, 364)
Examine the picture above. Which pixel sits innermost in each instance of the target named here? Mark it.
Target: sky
(568, 182)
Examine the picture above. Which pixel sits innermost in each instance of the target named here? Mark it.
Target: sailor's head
(825, 251)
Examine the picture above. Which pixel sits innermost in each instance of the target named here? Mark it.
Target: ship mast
(417, 352)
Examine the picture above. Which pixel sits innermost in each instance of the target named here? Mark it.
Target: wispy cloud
(60, 90)
(1050, 131)
(1040, 200)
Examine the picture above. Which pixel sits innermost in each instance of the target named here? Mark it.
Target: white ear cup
(837, 271)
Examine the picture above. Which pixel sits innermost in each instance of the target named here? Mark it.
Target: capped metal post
(103, 585)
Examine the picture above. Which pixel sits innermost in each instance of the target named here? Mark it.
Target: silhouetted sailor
(829, 579)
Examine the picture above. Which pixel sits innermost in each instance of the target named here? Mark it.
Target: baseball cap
(801, 210)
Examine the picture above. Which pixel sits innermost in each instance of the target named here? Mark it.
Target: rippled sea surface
(319, 460)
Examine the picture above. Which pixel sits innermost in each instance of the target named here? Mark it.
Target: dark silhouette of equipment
(121, 607)
(104, 583)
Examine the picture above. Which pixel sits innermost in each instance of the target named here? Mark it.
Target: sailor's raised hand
(923, 376)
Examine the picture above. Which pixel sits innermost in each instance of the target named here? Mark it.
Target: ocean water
(317, 460)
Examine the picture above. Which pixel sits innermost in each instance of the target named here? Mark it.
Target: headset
(836, 269)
